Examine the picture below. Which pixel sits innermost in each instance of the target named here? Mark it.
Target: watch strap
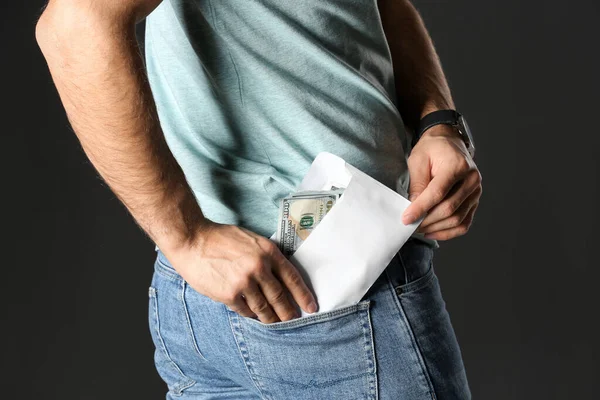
(448, 117)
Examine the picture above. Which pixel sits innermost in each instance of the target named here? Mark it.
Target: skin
(445, 184)
(95, 63)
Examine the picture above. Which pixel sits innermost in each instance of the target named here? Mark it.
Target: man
(247, 92)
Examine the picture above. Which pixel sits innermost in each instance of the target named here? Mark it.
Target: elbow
(42, 31)
(45, 32)
(68, 24)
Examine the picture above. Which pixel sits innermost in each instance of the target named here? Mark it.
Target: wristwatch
(448, 117)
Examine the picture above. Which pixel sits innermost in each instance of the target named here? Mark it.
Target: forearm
(98, 71)
(421, 86)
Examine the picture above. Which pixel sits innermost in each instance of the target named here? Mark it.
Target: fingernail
(312, 307)
(408, 219)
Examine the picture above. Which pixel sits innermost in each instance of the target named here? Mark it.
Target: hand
(445, 184)
(243, 270)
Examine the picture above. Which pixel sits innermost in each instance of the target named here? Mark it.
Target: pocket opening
(313, 318)
(415, 269)
(416, 284)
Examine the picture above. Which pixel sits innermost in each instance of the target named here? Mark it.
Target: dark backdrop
(521, 287)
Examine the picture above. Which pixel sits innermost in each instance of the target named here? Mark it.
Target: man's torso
(249, 92)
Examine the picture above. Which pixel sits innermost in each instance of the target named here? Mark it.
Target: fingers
(456, 218)
(460, 230)
(433, 194)
(241, 307)
(265, 283)
(448, 208)
(291, 278)
(259, 304)
(277, 297)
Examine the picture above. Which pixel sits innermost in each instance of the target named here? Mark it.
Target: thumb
(419, 177)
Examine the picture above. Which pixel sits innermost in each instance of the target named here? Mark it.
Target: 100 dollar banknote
(300, 214)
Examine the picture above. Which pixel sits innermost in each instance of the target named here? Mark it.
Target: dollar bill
(299, 214)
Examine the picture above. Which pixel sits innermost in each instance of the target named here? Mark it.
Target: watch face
(467, 131)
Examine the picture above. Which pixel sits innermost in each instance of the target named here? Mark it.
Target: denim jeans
(396, 343)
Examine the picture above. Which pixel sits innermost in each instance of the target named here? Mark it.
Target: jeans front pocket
(412, 266)
(326, 355)
(421, 304)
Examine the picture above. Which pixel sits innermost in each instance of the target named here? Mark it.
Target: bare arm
(95, 63)
(93, 56)
(420, 82)
(445, 184)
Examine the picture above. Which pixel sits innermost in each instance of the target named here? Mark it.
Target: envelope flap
(326, 170)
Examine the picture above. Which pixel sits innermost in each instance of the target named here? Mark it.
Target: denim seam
(369, 347)
(189, 322)
(235, 327)
(321, 317)
(250, 363)
(164, 270)
(418, 284)
(320, 385)
(177, 390)
(413, 340)
(415, 285)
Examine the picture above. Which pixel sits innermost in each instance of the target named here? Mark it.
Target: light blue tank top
(250, 91)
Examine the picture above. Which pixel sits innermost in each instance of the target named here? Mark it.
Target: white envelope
(356, 240)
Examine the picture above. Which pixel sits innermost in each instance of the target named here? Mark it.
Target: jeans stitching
(364, 321)
(321, 317)
(312, 385)
(189, 322)
(371, 356)
(235, 325)
(417, 284)
(165, 271)
(416, 349)
(178, 389)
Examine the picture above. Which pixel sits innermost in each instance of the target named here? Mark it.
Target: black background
(521, 286)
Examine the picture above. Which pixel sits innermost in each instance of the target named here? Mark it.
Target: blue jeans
(396, 343)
